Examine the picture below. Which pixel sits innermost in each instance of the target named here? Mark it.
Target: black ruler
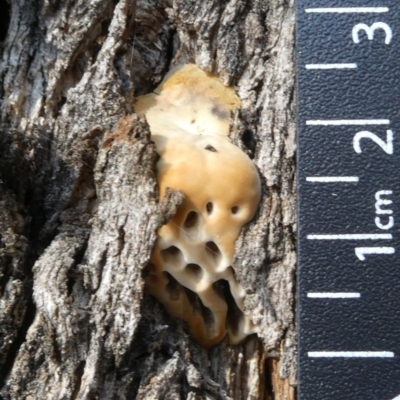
(348, 74)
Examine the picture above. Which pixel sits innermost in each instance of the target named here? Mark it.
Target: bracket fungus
(191, 271)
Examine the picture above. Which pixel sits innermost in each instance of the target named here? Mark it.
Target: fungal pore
(191, 271)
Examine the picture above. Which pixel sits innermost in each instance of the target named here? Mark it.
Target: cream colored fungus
(191, 271)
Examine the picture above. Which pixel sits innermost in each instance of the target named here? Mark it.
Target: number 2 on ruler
(386, 147)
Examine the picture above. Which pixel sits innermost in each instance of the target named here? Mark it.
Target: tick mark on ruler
(328, 179)
(351, 354)
(352, 236)
(326, 122)
(361, 252)
(342, 10)
(331, 66)
(333, 295)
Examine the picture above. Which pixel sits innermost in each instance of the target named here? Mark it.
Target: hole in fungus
(195, 270)
(147, 270)
(171, 255)
(213, 250)
(199, 308)
(173, 287)
(231, 272)
(191, 220)
(148, 273)
(192, 121)
(219, 112)
(211, 148)
(235, 209)
(152, 279)
(234, 315)
(209, 207)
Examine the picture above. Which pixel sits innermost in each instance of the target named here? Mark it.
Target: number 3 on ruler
(386, 147)
(369, 30)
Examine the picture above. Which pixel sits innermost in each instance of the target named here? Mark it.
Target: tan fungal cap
(191, 270)
(189, 100)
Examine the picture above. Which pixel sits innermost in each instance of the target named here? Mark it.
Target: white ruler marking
(342, 10)
(331, 66)
(333, 295)
(352, 236)
(351, 354)
(361, 252)
(348, 122)
(328, 179)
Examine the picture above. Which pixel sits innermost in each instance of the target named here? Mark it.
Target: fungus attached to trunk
(189, 116)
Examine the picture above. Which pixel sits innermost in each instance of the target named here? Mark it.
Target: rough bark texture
(79, 203)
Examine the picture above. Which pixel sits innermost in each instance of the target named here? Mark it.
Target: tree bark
(79, 206)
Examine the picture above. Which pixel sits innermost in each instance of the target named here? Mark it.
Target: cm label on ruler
(348, 79)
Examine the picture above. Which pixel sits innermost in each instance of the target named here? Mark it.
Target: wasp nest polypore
(191, 271)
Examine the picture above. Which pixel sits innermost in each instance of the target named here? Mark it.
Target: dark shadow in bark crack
(5, 16)
(249, 141)
(21, 337)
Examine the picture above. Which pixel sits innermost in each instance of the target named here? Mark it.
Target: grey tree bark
(79, 203)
